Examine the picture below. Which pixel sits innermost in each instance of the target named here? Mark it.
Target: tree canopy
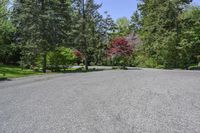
(160, 33)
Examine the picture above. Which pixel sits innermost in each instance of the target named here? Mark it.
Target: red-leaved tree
(120, 51)
(120, 47)
(79, 56)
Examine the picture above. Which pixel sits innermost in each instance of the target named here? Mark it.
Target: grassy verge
(7, 72)
(76, 70)
(15, 72)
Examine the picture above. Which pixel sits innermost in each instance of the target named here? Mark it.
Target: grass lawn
(15, 72)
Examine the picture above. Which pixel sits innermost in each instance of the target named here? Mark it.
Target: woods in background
(161, 33)
(169, 31)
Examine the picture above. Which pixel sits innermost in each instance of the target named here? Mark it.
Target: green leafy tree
(190, 37)
(135, 23)
(9, 53)
(122, 27)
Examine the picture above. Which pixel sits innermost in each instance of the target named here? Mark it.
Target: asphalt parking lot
(112, 101)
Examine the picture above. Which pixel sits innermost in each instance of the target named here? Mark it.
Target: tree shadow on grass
(82, 71)
(134, 68)
(125, 68)
(4, 79)
(12, 70)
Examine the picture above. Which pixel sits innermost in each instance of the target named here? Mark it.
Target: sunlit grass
(15, 72)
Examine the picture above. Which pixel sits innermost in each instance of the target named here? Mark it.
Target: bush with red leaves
(79, 56)
(120, 48)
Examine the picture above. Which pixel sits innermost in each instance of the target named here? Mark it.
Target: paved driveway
(132, 101)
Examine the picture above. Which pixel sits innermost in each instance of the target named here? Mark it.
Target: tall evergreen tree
(189, 47)
(92, 30)
(42, 25)
(8, 52)
(160, 30)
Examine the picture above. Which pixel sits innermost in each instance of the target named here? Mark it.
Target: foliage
(92, 29)
(143, 60)
(42, 26)
(120, 51)
(9, 53)
(169, 33)
(190, 38)
(60, 58)
(194, 67)
(135, 23)
(79, 56)
(39, 32)
(122, 28)
(120, 47)
(198, 58)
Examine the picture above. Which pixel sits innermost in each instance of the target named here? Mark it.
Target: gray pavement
(112, 101)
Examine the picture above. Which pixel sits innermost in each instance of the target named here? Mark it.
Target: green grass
(7, 72)
(15, 72)
(194, 67)
(79, 70)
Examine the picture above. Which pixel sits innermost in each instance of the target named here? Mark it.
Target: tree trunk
(84, 35)
(86, 63)
(44, 62)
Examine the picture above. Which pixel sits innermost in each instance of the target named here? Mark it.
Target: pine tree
(160, 30)
(42, 25)
(8, 51)
(92, 30)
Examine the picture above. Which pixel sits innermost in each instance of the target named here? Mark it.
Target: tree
(92, 30)
(9, 53)
(122, 27)
(190, 37)
(120, 50)
(160, 30)
(135, 23)
(41, 26)
(104, 28)
(3, 9)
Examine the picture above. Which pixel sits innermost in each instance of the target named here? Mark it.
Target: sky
(122, 8)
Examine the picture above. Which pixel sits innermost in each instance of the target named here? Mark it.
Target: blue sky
(122, 8)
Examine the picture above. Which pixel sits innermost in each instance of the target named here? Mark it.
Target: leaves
(165, 28)
(120, 47)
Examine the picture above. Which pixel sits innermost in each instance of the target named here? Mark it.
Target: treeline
(170, 33)
(31, 30)
(39, 34)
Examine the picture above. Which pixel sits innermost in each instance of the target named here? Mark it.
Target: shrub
(120, 51)
(198, 58)
(160, 67)
(36, 69)
(79, 57)
(143, 60)
(81, 64)
(61, 57)
(194, 67)
(151, 62)
(115, 67)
